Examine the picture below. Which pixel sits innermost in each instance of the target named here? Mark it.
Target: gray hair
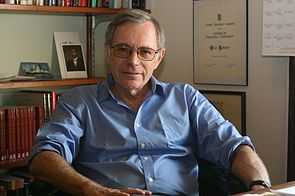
(135, 16)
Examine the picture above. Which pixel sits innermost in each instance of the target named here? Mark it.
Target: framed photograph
(73, 57)
(232, 105)
(36, 70)
(220, 42)
(70, 55)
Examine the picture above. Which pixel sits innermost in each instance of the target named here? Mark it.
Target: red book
(40, 117)
(53, 100)
(18, 132)
(2, 135)
(83, 3)
(67, 3)
(31, 126)
(24, 131)
(10, 134)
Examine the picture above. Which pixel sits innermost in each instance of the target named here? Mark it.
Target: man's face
(133, 73)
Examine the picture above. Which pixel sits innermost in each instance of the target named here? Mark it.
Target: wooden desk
(266, 193)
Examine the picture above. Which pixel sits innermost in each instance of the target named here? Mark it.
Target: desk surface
(265, 192)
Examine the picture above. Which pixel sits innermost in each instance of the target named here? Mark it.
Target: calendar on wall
(278, 34)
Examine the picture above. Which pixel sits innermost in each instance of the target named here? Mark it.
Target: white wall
(266, 94)
(29, 37)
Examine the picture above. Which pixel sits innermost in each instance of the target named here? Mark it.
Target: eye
(146, 51)
(122, 49)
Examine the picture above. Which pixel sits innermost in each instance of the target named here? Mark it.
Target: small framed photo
(70, 55)
(36, 70)
(220, 42)
(73, 61)
(232, 105)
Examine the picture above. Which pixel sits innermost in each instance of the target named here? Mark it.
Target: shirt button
(150, 179)
(142, 145)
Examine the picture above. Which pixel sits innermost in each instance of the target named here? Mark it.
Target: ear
(160, 57)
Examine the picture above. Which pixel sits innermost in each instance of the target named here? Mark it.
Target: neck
(132, 98)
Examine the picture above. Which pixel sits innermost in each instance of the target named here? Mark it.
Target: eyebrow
(124, 44)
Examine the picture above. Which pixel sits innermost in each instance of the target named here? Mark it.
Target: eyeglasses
(143, 53)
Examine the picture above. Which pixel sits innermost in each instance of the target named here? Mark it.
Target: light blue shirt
(155, 148)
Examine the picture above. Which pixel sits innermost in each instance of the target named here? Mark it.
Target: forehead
(136, 34)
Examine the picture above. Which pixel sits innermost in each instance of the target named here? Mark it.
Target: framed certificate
(231, 104)
(220, 42)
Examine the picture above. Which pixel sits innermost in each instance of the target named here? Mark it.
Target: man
(133, 134)
(74, 61)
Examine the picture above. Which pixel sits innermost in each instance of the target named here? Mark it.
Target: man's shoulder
(81, 91)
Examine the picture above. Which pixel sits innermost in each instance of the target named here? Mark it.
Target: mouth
(131, 74)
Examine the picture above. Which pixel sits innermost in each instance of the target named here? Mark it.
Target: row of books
(19, 123)
(18, 127)
(137, 4)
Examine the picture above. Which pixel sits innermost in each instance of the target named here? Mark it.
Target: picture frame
(35, 70)
(73, 57)
(232, 106)
(70, 54)
(220, 39)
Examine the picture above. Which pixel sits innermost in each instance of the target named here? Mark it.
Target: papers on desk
(290, 191)
(285, 191)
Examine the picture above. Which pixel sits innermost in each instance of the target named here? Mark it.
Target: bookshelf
(48, 83)
(55, 84)
(8, 8)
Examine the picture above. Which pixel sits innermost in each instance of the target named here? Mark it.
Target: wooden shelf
(48, 83)
(57, 10)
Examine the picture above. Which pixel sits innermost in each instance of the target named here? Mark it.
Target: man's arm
(249, 167)
(52, 168)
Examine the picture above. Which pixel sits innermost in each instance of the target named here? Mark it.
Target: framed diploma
(232, 106)
(220, 42)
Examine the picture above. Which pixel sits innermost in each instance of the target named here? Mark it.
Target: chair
(217, 181)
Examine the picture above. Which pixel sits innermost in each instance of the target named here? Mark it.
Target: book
(127, 4)
(11, 134)
(115, 4)
(2, 135)
(46, 98)
(18, 129)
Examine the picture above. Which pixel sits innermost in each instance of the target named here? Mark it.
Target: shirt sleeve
(63, 132)
(216, 138)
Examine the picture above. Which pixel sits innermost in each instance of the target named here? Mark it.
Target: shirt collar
(104, 92)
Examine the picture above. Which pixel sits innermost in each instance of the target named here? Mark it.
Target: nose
(133, 57)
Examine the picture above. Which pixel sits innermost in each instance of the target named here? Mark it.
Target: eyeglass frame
(131, 49)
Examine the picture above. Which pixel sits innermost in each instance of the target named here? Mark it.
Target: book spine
(135, 4)
(142, 4)
(82, 3)
(105, 3)
(2, 136)
(93, 3)
(53, 100)
(11, 129)
(18, 132)
(30, 128)
(127, 4)
(99, 3)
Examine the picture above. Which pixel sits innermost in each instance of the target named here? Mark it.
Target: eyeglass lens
(143, 53)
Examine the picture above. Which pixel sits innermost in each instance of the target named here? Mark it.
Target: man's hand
(258, 187)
